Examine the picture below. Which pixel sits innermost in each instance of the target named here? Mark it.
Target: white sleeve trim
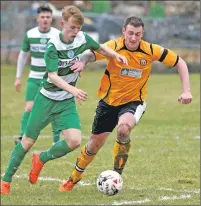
(22, 59)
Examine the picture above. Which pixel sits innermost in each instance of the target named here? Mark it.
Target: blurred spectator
(156, 9)
(97, 7)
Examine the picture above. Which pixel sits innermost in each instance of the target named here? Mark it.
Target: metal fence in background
(172, 32)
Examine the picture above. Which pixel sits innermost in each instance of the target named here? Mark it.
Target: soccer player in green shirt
(35, 41)
(55, 100)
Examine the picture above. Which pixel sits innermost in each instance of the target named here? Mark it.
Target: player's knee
(28, 106)
(27, 142)
(74, 143)
(123, 132)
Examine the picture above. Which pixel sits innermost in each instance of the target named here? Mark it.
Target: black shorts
(106, 117)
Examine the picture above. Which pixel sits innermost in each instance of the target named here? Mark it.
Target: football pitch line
(40, 137)
(162, 198)
(125, 202)
(82, 183)
(84, 137)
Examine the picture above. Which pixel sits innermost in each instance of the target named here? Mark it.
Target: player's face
(133, 36)
(44, 20)
(70, 28)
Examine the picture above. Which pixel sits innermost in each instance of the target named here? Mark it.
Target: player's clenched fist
(185, 98)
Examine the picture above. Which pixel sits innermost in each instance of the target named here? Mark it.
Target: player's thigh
(32, 88)
(131, 113)
(40, 116)
(105, 119)
(66, 116)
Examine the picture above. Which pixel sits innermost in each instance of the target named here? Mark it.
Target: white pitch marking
(174, 197)
(82, 183)
(51, 179)
(173, 190)
(196, 191)
(23, 176)
(131, 202)
(40, 137)
(163, 198)
(83, 137)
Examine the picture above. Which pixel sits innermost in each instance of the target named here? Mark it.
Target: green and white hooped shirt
(35, 42)
(58, 58)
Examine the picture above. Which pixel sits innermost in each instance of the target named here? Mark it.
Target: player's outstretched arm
(186, 96)
(85, 57)
(22, 59)
(59, 82)
(106, 51)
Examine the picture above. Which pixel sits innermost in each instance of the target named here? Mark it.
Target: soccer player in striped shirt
(35, 41)
(55, 101)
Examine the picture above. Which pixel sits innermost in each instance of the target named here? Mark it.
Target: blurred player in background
(55, 101)
(35, 41)
(123, 91)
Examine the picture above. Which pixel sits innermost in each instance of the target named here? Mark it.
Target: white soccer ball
(109, 182)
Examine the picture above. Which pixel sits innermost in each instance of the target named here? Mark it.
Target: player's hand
(79, 94)
(77, 66)
(122, 59)
(18, 84)
(185, 98)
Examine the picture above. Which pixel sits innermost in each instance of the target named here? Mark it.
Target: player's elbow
(51, 75)
(181, 63)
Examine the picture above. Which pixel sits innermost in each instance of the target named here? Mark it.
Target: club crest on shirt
(43, 41)
(70, 53)
(143, 62)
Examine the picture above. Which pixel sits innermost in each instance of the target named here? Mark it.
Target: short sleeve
(164, 55)
(91, 43)
(25, 44)
(51, 58)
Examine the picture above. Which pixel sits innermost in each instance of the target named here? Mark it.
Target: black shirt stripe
(115, 45)
(151, 48)
(164, 54)
(176, 61)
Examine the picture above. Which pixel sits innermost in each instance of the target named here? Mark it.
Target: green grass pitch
(164, 161)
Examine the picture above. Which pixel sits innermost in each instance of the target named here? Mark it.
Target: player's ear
(123, 30)
(142, 32)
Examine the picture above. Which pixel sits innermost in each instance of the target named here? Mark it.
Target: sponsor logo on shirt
(137, 73)
(37, 48)
(63, 63)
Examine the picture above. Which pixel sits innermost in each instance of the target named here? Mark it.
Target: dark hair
(44, 8)
(134, 21)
